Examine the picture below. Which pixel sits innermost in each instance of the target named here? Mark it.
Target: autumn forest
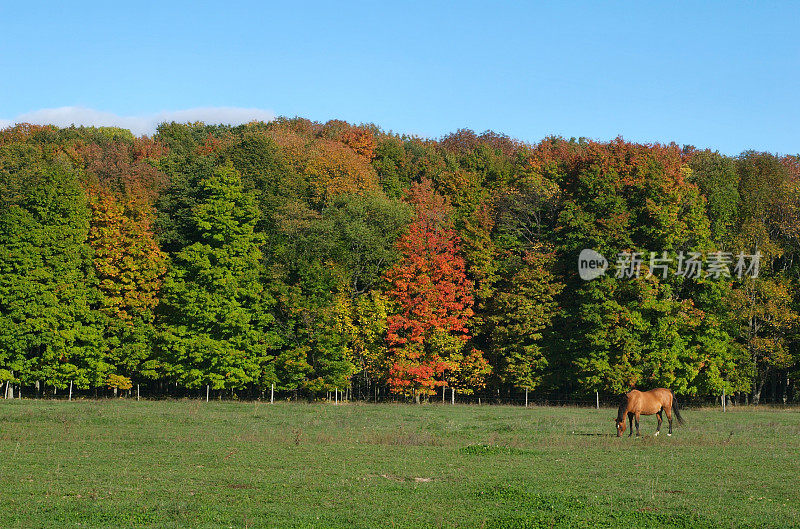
(315, 258)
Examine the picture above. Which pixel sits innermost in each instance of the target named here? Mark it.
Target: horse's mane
(623, 406)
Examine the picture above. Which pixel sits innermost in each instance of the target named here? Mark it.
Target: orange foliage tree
(428, 334)
(130, 269)
(127, 260)
(328, 167)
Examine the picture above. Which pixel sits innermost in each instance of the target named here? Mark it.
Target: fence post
(337, 396)
(597, 396)
(526, 397)
(452, 396)
(207, 390)
(272, 394)
(723, 399)
(70, 390)
(137, 392)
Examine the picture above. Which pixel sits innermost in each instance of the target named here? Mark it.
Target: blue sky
(724, 75)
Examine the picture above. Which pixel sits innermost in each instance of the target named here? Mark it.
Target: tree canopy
(316, 257)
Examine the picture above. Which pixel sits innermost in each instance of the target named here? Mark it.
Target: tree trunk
(774, 381)
(785, 389)
(757, 391)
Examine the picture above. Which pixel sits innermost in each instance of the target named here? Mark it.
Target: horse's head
(620, 426)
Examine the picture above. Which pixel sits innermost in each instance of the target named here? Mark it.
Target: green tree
(766, 304)
(622, 197)
(50, 330)
(217, 324)
(522, 310)
(718, 180)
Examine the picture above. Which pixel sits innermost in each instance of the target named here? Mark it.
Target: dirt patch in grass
(405, 479)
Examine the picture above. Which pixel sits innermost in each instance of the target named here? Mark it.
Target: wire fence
(382, 396)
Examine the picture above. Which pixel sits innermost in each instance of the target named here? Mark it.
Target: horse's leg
(637, 424)
(669, 418)
(630, 422)
(658, 428)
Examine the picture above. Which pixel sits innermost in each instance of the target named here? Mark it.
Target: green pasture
(121, 463)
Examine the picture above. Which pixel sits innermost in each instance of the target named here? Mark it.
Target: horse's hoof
(669, 435)
(656, 434)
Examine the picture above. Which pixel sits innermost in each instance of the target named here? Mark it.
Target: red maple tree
(433, 295)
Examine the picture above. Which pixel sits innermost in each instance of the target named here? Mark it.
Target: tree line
(316, 257)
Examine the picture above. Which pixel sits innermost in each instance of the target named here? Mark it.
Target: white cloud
(145, 124)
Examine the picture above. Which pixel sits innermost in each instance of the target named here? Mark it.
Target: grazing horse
(635, 403)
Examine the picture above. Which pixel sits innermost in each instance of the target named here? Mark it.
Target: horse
(635, 403)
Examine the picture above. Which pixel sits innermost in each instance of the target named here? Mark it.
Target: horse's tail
(675, 408)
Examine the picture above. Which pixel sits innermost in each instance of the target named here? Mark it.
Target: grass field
(118, 463)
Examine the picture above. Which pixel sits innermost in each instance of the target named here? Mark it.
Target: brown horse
(635, 403)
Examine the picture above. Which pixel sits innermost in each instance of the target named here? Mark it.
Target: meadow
(123, 463)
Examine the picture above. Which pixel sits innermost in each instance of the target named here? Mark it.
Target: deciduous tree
(429, 329)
